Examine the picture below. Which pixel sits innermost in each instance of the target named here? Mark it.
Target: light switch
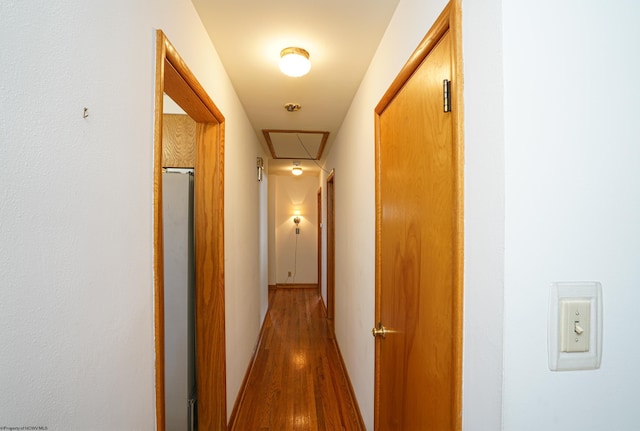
(575, 324)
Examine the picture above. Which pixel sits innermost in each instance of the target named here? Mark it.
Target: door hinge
(446, 95)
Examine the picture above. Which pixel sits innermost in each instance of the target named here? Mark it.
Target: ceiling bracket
(292, 107)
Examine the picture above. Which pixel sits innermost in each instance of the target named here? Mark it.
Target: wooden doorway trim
(174, 78)
(319, 236)
(331, 253)
(448, 21)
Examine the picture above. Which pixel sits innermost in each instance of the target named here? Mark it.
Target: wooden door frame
(319, 236)
(174, 78)
(449, 20)
(331, 253)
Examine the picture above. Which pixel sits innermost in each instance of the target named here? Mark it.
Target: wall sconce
(260, 165)
(296, 220)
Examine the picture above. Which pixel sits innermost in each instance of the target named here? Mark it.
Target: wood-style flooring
(297, 380)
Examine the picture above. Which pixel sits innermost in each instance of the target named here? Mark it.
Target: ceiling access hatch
(295, 144)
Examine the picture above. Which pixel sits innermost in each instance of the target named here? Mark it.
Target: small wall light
(260, 165)
(294, 62)
(296, 220)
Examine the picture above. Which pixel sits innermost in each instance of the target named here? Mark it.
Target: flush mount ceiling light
(294, 62)
(296, 170)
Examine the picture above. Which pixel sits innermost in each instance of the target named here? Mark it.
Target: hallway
(297, 382)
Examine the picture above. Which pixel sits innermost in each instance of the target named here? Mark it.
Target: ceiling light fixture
(296, 170)
(294, 62)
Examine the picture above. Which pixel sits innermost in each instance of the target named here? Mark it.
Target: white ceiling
(341, 37)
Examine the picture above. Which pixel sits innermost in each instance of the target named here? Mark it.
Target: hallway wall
(76, 234)
(289, 195)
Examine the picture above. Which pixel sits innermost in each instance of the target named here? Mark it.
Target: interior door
(319, 237)
(331, 254)
(417, 241)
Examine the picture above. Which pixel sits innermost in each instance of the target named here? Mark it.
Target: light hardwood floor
(297, 380)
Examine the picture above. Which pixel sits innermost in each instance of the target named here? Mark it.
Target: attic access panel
(295, 144)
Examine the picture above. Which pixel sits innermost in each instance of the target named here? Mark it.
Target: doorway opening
(174, 79)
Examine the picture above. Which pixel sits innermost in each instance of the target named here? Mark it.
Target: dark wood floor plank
(297, 381)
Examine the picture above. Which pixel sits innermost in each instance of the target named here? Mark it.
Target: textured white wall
(76, 238)
(295, 194)
(572, 151)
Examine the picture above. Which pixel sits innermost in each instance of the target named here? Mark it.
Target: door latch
(379, 331)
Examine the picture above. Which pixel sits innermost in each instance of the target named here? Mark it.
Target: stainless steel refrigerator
(179, 310)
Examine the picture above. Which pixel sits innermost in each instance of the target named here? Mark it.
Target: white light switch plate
(575, 326)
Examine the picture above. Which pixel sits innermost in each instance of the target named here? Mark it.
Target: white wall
(484, 215)
(553, 173)
(76, 234)
(572, 151)
(290, 195)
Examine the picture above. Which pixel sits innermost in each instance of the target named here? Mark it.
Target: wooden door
(331, 254)
(319, 238)
(417, 246)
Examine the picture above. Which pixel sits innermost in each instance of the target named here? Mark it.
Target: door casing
(319, 238)
(174, 78)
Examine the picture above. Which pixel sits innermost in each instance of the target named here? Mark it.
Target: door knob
(379, 331)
